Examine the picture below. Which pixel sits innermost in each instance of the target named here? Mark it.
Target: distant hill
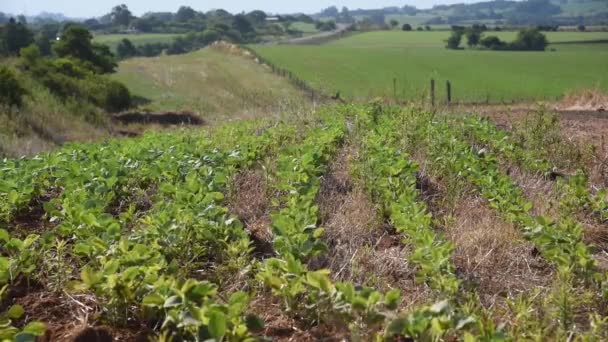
(504, 12)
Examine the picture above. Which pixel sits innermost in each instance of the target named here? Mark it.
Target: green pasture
(112, 40)
(389, 63)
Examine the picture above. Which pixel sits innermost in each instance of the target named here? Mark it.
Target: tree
(473, 37)
(493, 43)
(121, 15)
(76, 42)
(14, 37)
(185, 13)
(11, 91)
(454, 41)
(427, 27)
(530, 40)
(242, 24)
(330, 12)
(581, 28)
(125, 49)
(394, 23)
(406, 27)
(257, 17)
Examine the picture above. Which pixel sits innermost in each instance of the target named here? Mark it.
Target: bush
(126, 49)
(581, 28)
(493, 43)
(454, 41)
(530, 40)
(406, 27)
(11, 90)
(117, 97)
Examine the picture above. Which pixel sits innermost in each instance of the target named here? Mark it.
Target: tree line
(71, 66)
(528, 39)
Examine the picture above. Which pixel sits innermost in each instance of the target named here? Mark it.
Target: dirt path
(319, 38)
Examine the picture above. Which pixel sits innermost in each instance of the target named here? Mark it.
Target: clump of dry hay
(584, 100)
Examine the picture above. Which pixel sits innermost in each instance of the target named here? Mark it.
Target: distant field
(364, 66)
(209, 82)
(304, 27)
(112, 40)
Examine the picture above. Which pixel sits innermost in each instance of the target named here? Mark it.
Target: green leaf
(90, 277)
(4, 235)
(391, 299)
(153, 300)
(217, 324)
(35, 328)
(172, 301)
(13, 197)
(15, 312)
(25, 337)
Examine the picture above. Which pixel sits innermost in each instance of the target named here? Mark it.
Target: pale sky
(96, 8)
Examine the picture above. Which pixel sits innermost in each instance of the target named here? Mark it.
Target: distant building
(273, 19)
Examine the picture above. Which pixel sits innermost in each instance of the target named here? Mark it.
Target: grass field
(306, 28)
(112, 40)
(364, 66)
(210, 82)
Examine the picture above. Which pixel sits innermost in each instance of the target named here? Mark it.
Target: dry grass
(363, 249)
(584, 100)
(490, 255)
(249, 200)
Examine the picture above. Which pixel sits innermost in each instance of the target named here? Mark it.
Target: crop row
(126, 261)
(574, 190)
(560, 242)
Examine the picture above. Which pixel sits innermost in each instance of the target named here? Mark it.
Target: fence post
(432, 92)
(449, 91)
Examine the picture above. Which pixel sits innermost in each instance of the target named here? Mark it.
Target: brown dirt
(31, 219)
(249, 201)
(283, 328)
(168, 118)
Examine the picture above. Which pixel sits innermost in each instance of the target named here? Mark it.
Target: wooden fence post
(449, 91)
(432, 92)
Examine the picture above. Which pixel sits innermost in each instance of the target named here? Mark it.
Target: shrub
(117, 97)
(493, 43)
(454, 41)
(530, 40)
(11, 90)
(406, 27)
(473, 37)
(581, 28)
(76, 42)
(126, 49)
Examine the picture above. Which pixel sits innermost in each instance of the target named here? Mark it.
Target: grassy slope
(364, 66)
(112, 40)
(210, 82)
(44, 121)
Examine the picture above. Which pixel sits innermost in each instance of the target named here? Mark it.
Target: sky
(96, 8)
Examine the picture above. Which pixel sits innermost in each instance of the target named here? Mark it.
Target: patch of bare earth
(32, 218)
(250, 201)
(363, 248)
(282, 326)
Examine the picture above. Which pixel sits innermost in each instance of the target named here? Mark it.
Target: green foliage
(125, 49)
(530, 40)
(14, 36)
(76, 42)
(406, 27)
(11, 90)
(454, 40)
